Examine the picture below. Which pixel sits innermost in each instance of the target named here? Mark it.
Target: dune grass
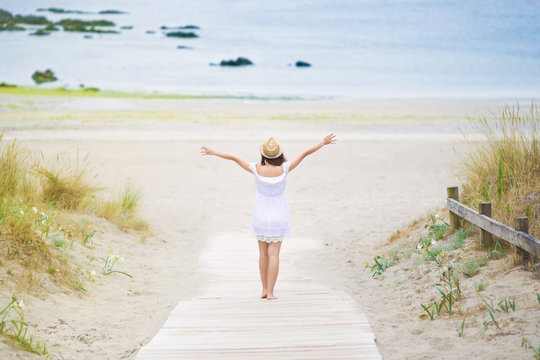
(120, 209)
(38, 201)
(505, 169)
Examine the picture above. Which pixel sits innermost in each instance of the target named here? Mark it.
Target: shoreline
(91, 92)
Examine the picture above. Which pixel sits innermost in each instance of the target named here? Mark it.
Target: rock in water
(31, 20)
(301, 63)
(63, 11)
(112, 12)
(241, 61)
(11, 26)
(50, 27)
(87, 26)
(185, 27)
(182, 34)
(40, 32)
(41, 77)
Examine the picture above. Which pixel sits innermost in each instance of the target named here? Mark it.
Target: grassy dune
(44, 210)
(506, 170)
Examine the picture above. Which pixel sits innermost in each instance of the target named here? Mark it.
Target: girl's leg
(273, 267)
(263, 266)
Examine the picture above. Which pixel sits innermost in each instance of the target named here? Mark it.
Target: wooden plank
(500, 230)
(230, 321)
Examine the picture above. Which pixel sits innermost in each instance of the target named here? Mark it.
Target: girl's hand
(329, 139)
(207, 151)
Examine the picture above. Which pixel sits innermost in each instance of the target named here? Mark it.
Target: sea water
(357, 48)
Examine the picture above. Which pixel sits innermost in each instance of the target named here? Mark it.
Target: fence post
(453, 193)
(486, 239)
(521, 223)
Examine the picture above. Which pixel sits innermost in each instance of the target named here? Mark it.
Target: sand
(392, 164)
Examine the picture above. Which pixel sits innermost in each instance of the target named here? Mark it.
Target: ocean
(357, 48)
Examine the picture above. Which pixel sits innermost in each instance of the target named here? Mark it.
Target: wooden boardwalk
(229, 321)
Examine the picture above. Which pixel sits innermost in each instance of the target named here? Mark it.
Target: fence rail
(518, 237)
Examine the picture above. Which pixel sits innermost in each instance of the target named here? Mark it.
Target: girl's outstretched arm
(243, 164)
(329, 139)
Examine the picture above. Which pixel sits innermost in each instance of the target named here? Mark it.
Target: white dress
(270, 219)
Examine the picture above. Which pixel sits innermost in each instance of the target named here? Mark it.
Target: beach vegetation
(497, 250)
(39, 204)
(87, 232)
(527, 344)
(505, 169)
(109, 263)
(66, 186)
(506, 304)
(14, 327)
(80, 284)
(450, 291)
(480, 286)
(120, 209)
(461, 328)
(378, 267)
(470, 267)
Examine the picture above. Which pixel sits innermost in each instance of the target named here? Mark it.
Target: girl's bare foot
(271, 297)
(264, 295)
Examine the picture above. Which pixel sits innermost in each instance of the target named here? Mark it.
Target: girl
(270, 219)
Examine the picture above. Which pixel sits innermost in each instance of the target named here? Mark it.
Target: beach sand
(392, 164)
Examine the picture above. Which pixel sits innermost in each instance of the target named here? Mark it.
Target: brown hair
(276, 162)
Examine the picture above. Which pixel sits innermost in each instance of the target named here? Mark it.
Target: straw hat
(271, 149)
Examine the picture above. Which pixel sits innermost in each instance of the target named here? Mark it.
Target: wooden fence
(488, 226)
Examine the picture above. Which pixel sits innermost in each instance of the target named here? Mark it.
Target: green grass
(470, 267)
(93, 92)
(14, 327)
(536, 349)
(480, 286)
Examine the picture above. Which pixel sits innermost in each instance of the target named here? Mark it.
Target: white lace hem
(269, 239)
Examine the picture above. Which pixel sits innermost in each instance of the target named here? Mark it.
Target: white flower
(92, 275)
(419, 247)
(120, 259)
(20, 304)
(22, 212)
(433, 242)
(34, 209)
